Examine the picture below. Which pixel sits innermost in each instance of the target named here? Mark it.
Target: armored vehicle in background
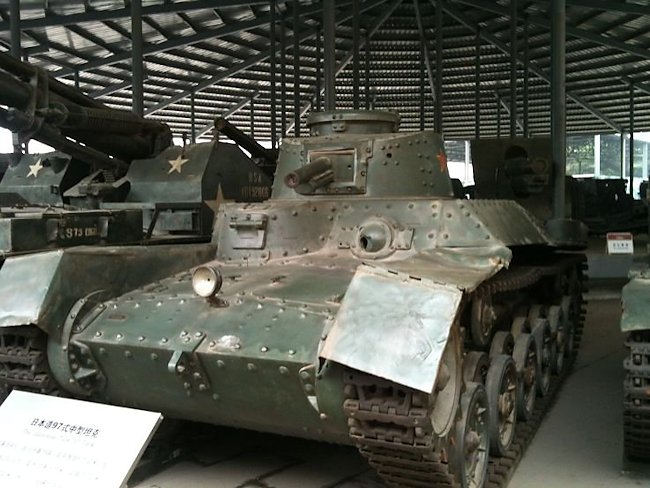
(63, 213)
(521, 169)
(635, 324)
(361, 304)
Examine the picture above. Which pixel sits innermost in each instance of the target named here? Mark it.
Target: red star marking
(442, 159)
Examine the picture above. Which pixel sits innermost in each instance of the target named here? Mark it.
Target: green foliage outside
(580, 155)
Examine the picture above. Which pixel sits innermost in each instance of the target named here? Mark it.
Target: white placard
(50, 442)
(620, 243)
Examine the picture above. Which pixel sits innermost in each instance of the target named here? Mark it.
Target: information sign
(620, 243)
(51, 442)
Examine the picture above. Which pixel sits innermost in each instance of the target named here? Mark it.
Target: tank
(635, 324)
(361, 304)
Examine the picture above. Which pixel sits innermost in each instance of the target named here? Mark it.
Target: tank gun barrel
(313, 175)
(42, 108)
(245, 141)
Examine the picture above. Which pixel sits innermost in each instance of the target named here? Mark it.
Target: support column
(137, 65)
(526, 79)
(645, 161)
(272, 74)
(356, 40)
(498, 100)
(438, 101)
(296, 68)
(367, 68)
(192, 118)
(16, 51)
(558, 103)
(622, 155)
(329, 41)
(283, 76)
(467, 161)
(597, 155)
(477, 84)
(513, 68)
(631, 188)
(422, 85)
(319, 72)
(251, 114)
(14, 28)
(76, 79)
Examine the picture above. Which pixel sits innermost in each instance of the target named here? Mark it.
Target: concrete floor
(579, 445)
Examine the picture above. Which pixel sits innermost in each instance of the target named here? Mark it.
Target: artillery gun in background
(361, 304)
(635, 324)
(79, 220)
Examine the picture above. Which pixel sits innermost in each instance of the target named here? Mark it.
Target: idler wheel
(503, 343)
(446, 391)
(483, 321)
(556, 322)
(469, 453)
(501, 386)
(475, 367)
(544, 343)
(525, 357)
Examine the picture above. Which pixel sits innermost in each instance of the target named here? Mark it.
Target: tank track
(23, 361)
(636, 404)
(387, 422)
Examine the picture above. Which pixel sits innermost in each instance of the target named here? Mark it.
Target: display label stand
(53, 442)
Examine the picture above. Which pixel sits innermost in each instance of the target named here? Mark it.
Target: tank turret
(361, 154)
(360, 304)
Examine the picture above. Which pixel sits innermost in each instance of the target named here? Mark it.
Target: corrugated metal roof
(607, 46)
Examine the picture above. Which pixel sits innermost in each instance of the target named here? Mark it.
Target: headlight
(206, 281)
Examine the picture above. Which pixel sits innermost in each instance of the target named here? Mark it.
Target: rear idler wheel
(475, 367)
(525, 357)
(543, 341)
(501, 387)
(503, 343)
(469, 454)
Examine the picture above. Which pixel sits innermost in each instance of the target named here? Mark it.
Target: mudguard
(41, 288)
(395, 318)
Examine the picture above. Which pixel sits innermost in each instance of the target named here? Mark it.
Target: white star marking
(35, 168)
(177, 164)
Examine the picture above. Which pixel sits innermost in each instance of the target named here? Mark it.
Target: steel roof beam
(508, 110)
(606, 41)
(425, 46)
(125, 13)
(609, 6)
(231, 111)
(221, 31)
(532, 66)
(348, 57)
(252, 61)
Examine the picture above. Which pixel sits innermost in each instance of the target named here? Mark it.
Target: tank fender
(393, 326)
(24, 284)
(635, 304)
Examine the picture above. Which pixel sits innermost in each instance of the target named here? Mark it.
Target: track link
(636, 404)
(23, 361)
(389, 423)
